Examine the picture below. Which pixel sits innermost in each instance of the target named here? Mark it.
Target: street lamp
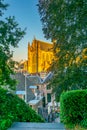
(25, 90)
(25, 84)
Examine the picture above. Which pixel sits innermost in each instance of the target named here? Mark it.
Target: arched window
(43, 57)
(33, 59)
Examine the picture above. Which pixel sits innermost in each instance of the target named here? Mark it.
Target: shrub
(73, 105)
(12, 108)
(84, 123)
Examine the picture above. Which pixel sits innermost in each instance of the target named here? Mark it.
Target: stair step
(36, 126)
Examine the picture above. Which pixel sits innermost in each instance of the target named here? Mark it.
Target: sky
(27, 16)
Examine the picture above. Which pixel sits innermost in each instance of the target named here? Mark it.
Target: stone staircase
(37, 126)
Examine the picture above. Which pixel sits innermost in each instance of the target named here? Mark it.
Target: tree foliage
(65, 23)
(10, 35)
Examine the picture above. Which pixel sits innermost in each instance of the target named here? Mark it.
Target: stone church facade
(40, 55)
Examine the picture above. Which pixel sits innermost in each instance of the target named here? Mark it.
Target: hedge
(73, 107)
(14, 109)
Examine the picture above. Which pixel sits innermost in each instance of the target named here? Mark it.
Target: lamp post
(25, 88)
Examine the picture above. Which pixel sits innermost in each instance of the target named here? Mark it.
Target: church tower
(40, 55)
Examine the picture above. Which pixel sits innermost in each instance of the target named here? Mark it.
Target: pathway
(36, 126)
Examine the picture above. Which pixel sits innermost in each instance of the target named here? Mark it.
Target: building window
(33, 58)
(48, 97)
(47, 57)
(43, 57)
(48, 87)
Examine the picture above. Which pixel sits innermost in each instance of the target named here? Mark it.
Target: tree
(65, 22)
(10, 35)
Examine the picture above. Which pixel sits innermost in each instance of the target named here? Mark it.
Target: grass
(77, 127)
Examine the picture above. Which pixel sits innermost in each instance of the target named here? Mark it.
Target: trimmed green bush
(12, 108)
(73, 107)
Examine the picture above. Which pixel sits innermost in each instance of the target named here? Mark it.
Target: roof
(20, 81)
(33, 87)
(35, 101)
(43, 45)
(48, 77)
(33, 80)
(20, 92)
(46, 46)
(20, 87)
